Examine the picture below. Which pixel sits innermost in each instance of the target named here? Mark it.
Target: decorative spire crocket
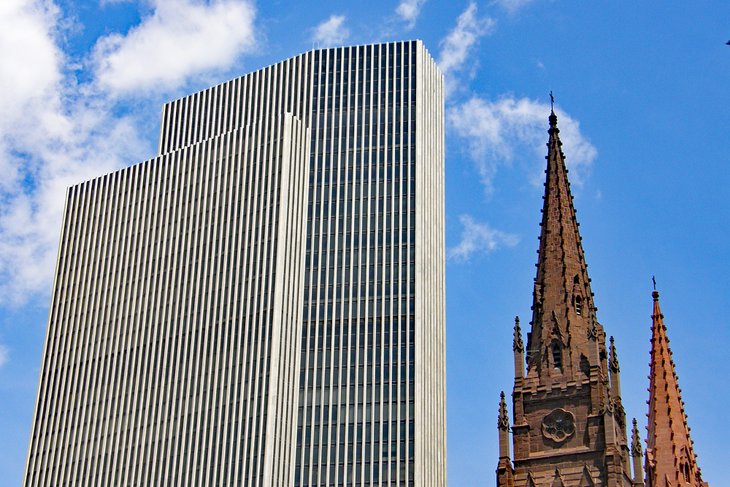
(613, 357)
(517, 344)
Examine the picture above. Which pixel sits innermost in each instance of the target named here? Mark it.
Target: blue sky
(642, 93)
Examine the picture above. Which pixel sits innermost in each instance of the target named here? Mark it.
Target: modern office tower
(261, 304)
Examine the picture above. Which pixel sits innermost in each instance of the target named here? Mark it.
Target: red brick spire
(563, 314)
(670, 457)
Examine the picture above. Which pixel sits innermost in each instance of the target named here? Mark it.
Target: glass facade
(356, 409)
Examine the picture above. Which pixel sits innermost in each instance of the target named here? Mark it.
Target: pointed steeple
(517, 344)
(568, 397)
(505, 472)
(636, 449)
(613, 357)
(637, 455)
(563, 314)
(503, 418)
(615, 370)
(518, 347)
(669, 449)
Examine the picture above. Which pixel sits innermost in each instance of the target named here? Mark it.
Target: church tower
(670, 457)
(569, 425)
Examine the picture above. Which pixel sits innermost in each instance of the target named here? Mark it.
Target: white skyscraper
(261, 304)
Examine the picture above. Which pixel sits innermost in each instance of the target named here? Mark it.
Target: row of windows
(390, 100)
(373, 55)
(202, 112)
(354, 453)
(328, 310)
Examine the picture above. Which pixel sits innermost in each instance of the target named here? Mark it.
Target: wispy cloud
(179, 40)
(479, 238)
(331, 32)
(458, 44)
(409, 10)
(104, 3)
(27, 34)
(56, 131)
(40, 148)
(512, 6)
(4, 355)
(496, 130)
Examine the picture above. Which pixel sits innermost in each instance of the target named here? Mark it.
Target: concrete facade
(263, 302)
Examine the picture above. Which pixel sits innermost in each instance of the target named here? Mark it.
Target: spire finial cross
(552, 118)
(653, 280)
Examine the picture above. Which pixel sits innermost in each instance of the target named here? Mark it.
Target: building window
(685, 471)
(578, 305)
(557, 356)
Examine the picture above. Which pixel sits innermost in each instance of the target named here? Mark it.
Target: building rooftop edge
(416, 40)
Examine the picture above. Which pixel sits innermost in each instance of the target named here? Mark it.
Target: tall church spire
(569, 427)
(670, 457)
(563, 314)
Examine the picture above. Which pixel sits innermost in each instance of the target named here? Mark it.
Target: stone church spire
(562, 342)
(569, 427)
(670, 457)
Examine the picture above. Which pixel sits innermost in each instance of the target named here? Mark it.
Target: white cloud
(50, 138)
(496, 130)
(179, 40)
(409, 10)
(104, 3)
(332, 32)
(512, 6)
(25, 36)
(55, 131)
(458, 44)
(4, 355)
(479, 238)
(93, 143)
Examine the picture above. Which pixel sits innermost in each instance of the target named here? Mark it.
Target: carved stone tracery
(558, 425)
